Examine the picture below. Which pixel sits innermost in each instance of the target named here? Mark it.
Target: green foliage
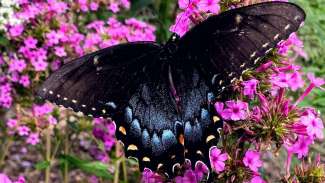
(92, 167)
(42, 165)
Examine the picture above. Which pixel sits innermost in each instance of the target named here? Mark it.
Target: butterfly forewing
(225, 45)
(100, 83)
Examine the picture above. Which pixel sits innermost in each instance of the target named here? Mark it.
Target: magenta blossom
(315, 126)
(252, 160)
(189, 177)
(4, 178)
(16, 30)
(211, 6)
(30, 42)
(301, 147)
(33, 139)
(23, 130)
(217, 159)
(182, 24)
(257, 179)
(236, 110)
(200, 170)
(315, 82)
(150, 177)
(250, 87)
(12, 123)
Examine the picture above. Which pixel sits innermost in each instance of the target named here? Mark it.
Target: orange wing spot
(122, 130)
(181, 139)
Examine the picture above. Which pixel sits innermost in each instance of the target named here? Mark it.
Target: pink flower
(182, 24)
(219, 106)
(250, 87)
(209, 6)
(23, 130)
(200, 170)
(17, 65)
(53, 38)
(149, 177)
(24, 80)
(252, 160)
(296, 81)
(217, 159)
(52, 120)
(40, 110)
(183, 4)
(30, 42)
(39, 65)
(59, 51)
(314, 124)
(280, 80)
(257, 179)
(114, 7)
(12, 123)
(4, 178)
(318, 82)
(94, 6)
(189, 177)
(301, 147)
(236, 110)
(33, 139)
(16, 30)
(315, 82)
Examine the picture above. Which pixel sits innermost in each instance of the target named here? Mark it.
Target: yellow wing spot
(160, 165)
(173, 156)
(122, 130)
(209, 138)
(216, 119)
(146, 159)
(132, 147)
(199, 152)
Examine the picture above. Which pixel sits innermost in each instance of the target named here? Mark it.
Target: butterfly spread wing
(224, 46)
(164, 110)
(100, 83)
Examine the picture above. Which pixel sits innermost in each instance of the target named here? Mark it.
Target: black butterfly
(161, 96)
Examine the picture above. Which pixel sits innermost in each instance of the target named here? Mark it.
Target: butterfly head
(170, 47)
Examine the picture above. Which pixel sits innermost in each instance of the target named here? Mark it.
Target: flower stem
(5, 151)
(66, 151)
(125, 173)
(48, 154)
(117, 163)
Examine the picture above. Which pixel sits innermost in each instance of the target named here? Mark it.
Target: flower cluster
(104, 131)
(191, 12)
(40, 43)
(42, 36)
(29, 124)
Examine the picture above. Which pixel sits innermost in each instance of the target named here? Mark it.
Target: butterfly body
(161, 96)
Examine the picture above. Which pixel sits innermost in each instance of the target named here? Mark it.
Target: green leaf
(92, 167)
(4, 41)
(42, 165)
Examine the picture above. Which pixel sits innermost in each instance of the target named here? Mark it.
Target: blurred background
(62, 146)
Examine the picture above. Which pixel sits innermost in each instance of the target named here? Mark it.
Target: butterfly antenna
(188, 5)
